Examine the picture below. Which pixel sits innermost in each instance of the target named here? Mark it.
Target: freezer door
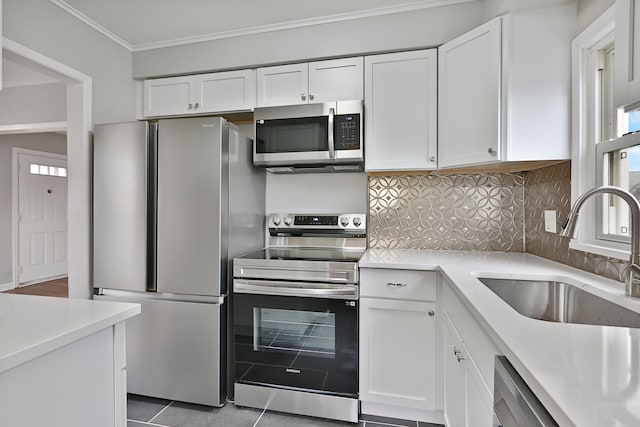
(120, 178)
(174, 350)
(192, 177)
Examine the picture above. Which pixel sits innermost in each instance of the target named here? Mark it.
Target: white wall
(589, 10)
(33, 104)
(421, 28)
(49, 142)
(47, 29)
(314, 192)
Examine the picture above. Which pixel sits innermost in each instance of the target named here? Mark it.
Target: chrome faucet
(632, 278)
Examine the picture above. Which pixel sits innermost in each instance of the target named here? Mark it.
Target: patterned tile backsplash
(485, 212)
(463, 212)
(550, 189)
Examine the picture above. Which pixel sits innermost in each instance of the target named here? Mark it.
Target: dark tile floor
(145, 411)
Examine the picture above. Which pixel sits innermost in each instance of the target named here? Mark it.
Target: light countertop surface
(584, 375)
(31, 326)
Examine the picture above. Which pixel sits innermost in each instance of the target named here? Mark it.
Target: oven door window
(294, 331)
(299, 343)
(292, 135)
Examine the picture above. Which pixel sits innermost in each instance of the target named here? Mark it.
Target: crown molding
(90, 22)
(407, 7)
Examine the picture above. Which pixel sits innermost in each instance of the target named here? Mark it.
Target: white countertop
(584, 375)
(31, 326)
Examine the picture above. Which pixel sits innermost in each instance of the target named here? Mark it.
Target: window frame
(587, 132)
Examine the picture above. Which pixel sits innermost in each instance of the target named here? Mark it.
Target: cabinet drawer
(398, 284)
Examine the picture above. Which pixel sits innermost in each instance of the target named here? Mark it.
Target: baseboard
(6, 286)
(402, 413)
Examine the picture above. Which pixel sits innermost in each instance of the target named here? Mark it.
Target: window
(36, 169)
(603, 227)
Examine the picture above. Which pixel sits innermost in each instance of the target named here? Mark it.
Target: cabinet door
(469, 86)
(455, 403)
(479, 397)
(397, 353)
(336, 80)
(627, 58)
(282, 85)
(400, 111)
(170, 96)
(227, 91)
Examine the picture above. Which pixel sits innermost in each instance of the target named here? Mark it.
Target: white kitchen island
(62, 361)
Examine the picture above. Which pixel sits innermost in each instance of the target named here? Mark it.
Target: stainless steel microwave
(326, 135)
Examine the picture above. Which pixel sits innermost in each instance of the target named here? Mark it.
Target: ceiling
(147, 24)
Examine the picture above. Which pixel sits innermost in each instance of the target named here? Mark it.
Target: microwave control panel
(347, 131)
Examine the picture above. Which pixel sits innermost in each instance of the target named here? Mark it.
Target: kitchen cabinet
(627, 57)
(397, 343)
(308, 83)
(468, 392)
(504, 90)
(199, 94)
(401, 111)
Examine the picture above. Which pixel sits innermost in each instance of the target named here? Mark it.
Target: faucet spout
(632, 277)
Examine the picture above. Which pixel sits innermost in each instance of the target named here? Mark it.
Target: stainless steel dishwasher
(514, 403)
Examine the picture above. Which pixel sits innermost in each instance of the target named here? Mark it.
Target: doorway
(40, 215)
(78, 128)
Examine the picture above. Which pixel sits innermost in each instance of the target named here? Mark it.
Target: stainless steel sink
(561, 302)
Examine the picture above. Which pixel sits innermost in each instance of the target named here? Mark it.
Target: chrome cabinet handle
(311, 96)
(197, 106)
(432, 158)
(190, 107)
(396, 284)
(431, 313)
(492, 151)
(304, 96)
(458, 354)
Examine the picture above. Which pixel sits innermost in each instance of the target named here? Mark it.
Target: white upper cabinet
(504, 90)
(401, 104)
(627, 57)
(308, 83)
(469, 82)
(198, 94)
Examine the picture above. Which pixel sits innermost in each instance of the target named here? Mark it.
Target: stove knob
(276, 220)
(287, 221)
(344, 221)
(357, 221)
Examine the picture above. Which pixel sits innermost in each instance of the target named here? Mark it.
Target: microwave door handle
(332, 148)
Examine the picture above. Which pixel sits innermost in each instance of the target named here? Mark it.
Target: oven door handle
(260, 287)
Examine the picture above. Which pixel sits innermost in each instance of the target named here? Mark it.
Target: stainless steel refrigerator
(173, 202)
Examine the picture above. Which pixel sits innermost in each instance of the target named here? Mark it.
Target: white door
(42, 217)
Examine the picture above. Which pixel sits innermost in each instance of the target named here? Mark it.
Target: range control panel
(350, 222)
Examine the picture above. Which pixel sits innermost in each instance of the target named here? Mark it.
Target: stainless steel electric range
(296, 317)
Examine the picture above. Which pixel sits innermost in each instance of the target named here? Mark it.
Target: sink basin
(560, 302)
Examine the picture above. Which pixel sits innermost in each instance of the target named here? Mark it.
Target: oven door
(299, 343)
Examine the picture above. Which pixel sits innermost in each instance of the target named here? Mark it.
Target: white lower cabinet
(398, 332)
(468, 396)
